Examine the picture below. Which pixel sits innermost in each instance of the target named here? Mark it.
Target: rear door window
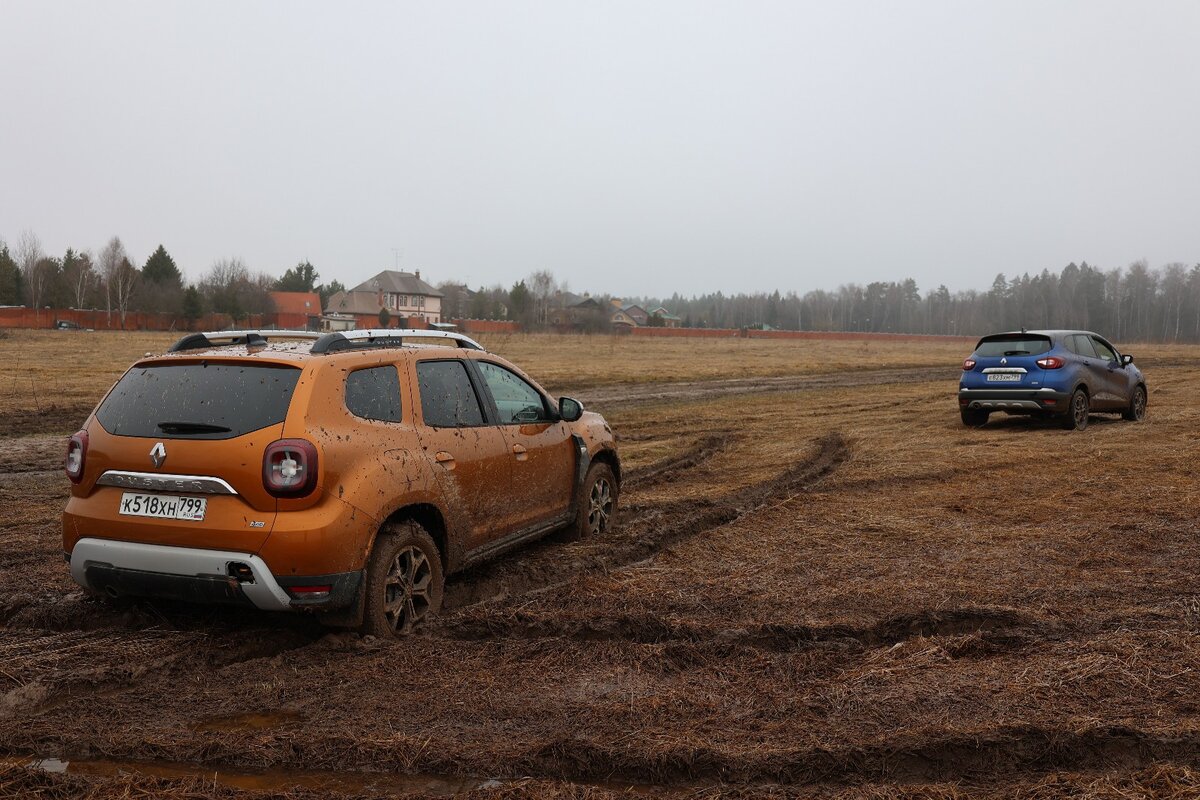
(1012, 345)
(448, 398)
(1082, 345)
(374, 393)
(198, 401)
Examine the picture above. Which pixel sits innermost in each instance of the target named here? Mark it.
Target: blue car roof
(1052, 334)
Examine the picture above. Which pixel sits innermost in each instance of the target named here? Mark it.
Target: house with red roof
(296, 311)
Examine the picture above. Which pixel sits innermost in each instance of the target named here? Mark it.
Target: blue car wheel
(1076, 418)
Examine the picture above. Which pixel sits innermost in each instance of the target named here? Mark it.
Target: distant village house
(403, 294)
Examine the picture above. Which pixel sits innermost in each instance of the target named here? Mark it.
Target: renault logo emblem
(158, 454)
(1004, 361)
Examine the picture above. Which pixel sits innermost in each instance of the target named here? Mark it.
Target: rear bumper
(185, 573)
(1019, 400)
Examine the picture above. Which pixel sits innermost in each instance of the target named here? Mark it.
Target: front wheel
(1076, 418)
(1137, 405)
(597, 502)
(404, 581)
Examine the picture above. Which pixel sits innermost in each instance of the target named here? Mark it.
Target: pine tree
(10, 278)
(193, 307)
(160, 269)
(300, 278)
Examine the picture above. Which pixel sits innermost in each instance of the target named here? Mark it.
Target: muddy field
(820, 585)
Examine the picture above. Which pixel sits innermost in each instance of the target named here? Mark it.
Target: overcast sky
(632, 148)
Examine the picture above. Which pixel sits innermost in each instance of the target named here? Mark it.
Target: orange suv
(343, 473)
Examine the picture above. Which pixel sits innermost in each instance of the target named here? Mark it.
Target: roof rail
(203, 341)
(385, 337)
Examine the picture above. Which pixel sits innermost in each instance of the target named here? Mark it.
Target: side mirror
(569, 409)
(1126, 360)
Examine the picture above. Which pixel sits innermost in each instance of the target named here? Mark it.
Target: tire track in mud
(44, 670)
(984, 757)
(668, 469)
(54, 651)
(619, 395)
(994, 630)
(640, 533)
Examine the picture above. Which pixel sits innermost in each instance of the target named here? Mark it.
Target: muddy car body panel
(181, 476)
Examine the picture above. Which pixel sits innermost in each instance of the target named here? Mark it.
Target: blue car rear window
(1012, 345)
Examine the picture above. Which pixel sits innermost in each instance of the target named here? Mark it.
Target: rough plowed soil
(818, 585)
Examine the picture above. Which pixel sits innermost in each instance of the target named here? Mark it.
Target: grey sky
(631, 148)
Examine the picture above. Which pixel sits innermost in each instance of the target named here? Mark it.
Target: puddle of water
(330, 781)
(248, 722)
(267, 780)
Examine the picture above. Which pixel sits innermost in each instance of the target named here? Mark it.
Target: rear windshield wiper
(1016, 352)
(191, 427)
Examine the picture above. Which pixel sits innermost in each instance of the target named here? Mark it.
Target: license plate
(1004, 377)
(162, 506)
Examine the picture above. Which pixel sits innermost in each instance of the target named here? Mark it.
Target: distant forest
(1137, 303)
(1133, 304)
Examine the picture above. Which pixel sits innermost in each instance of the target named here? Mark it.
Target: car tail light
(290, 468)
(968, 365)
(1051, 362)
(77, 447)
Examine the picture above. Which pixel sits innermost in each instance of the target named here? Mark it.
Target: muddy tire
(1137, 406)
(973, 417)
(597, 503)
(404, 581)
(1076, 418)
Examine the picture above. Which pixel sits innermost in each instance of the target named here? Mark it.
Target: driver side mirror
(1126, 360)
(569, 409)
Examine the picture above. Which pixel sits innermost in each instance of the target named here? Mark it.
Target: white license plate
(162, 506)
(1004, 377)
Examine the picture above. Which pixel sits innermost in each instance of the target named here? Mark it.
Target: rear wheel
(1076, 418)
(404, 581)
(973, 417)
(1137, 405)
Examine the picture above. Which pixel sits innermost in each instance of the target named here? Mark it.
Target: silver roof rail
(386, 337)
(203, 341)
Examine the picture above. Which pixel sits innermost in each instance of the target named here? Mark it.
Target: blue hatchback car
(1062, 374)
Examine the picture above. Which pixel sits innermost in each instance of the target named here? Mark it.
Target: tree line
(112, 281)
(1135, 303)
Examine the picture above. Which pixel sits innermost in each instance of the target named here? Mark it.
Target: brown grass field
(820, 585)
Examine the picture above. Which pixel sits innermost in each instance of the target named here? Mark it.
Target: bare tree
(231, 289)
(110, 267)
(124, 283)
(542, 285)
(30, 258)
(81, 277)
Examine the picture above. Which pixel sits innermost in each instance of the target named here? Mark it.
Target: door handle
(444, 458)
(520, 452)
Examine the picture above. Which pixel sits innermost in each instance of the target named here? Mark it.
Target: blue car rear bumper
(1017, 401)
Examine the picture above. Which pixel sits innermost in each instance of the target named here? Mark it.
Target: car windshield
(198, 401)
(1012, 345)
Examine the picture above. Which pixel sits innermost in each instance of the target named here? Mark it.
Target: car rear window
(1018, 344)
(198, 401)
